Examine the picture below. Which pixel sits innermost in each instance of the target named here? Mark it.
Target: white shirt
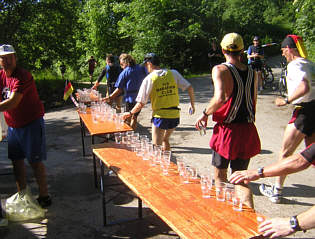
(147, 84)
(298, 70)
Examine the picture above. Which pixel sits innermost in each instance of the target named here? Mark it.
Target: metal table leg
(94, 164)
(82, 136)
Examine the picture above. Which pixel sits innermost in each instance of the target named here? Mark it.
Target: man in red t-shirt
(23, 112)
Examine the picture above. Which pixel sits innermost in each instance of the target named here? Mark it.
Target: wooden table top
(181, 206)
(106, 127)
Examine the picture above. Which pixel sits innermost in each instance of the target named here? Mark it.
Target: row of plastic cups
(101, 113)
(186, 172)
(210, 189)
(144, 148)
(88, 95)
(223, 192)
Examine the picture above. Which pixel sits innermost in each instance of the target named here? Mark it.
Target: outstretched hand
(276, 227)
(280, 102)
(201, 122)
(126, 115)
(244, 176)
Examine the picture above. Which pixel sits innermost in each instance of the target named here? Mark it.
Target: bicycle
(267, 75)
(282, 86)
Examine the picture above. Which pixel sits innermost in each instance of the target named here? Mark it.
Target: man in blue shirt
(129, 82)
(255, 54)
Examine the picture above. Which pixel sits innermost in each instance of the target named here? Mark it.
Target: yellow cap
(232, 42)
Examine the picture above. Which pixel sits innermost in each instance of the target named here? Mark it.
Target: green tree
(100, 35)
(305, 24)
(42, 31)
(172, 29)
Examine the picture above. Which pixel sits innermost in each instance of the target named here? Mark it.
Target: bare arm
(191, 94)
(134, 110)
(219, 74)
(292, 164)
(12, 102)
(302, 89)
(280, 227)
(116, 93)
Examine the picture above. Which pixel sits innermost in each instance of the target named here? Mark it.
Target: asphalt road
(76, 210)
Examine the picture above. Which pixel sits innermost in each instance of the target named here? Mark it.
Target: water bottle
(202, 130)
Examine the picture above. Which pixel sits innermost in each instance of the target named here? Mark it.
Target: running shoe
(272, 192)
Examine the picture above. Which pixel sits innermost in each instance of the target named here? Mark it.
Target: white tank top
(298, 70)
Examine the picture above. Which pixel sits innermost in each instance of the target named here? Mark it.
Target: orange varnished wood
(106, 127)
(181, 206)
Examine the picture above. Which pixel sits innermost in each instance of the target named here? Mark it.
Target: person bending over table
(128, 83)
(280, 227)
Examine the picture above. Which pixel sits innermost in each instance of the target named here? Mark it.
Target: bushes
(51, 92)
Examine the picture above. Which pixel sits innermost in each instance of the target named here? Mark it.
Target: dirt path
(76, 210)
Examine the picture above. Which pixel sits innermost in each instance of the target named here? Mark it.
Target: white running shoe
(274, 194)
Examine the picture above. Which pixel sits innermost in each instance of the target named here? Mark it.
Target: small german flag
(68, 90)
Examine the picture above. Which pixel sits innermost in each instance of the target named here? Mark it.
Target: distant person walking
(111, 71)
(215, 55)
(63, 70)
(128, 83)
(23, 112)
(92, 64)
(301, 93)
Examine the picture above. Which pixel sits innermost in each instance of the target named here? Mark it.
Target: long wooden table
(99, 128)
(181, 206)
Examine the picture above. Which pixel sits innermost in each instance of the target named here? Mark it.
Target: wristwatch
(205, 113)
(294, 223)
(260, 172)
(287, 100)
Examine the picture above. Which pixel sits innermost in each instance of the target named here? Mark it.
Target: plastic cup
(237, 204)
(205, 189)
(124, 140)
(229, 193)
(193, 173)
(220, 191)
(184, 175)
(117, 138)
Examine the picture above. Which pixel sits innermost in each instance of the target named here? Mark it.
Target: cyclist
(301, 93)
(255, 54)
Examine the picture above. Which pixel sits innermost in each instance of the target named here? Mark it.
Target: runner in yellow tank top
(164, 96)
(161, 87)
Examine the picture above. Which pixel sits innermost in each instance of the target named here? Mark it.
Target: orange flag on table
(68, 90)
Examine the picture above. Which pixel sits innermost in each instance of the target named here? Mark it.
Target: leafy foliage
(48, 32)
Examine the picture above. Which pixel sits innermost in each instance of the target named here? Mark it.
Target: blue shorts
(28, 142)
(164, 123)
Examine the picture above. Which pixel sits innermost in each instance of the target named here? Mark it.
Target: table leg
(103, 194)
(82, 136)
(139, 208)
(94, 164)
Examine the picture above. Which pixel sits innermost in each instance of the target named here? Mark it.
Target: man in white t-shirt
(161, 87)
(301, 93)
